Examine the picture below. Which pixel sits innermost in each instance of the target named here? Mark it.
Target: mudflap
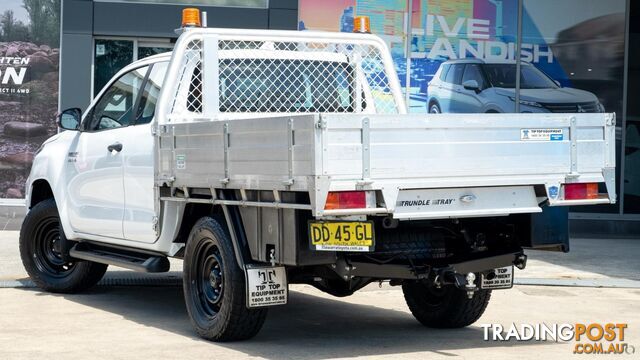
(266, 286)
(549, 229)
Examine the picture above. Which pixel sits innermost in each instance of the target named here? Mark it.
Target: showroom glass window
(580, 44)
(631, 186)
(111, 55)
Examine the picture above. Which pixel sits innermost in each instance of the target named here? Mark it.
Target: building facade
(99, 37)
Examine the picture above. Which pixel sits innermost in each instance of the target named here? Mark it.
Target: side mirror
(70, 119)
(471, 85)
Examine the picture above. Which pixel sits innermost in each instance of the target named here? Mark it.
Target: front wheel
(214, 286)
(445, 307)
(41, 253)
(434, 109)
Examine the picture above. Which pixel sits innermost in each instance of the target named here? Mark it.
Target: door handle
(117, 147)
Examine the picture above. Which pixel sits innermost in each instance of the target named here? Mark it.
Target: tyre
(214, 286)
(40, 251)
(447, 307)
(434, 109)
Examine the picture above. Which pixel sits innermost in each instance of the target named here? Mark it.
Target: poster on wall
(29, 60)
(463, 52)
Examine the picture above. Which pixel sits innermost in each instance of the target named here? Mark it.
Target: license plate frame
(503, 279)
(331, 243)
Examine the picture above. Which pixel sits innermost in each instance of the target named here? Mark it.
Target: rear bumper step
(121, 258)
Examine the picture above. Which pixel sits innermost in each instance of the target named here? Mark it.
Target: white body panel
(139, 211)
(95, 200)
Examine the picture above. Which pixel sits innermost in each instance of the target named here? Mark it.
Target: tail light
(580, 191)
(346, 200)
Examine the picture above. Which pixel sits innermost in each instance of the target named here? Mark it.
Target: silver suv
(477, 86)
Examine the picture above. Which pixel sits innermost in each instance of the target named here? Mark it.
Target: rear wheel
(445, 307)
(41, 253)
(434, 109)
(214, 286)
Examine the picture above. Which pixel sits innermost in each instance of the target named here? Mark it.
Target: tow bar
(464, 275)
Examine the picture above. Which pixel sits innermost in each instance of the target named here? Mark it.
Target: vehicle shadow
(309, 327)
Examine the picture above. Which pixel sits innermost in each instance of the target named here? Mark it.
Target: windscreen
(504, 76)
(284, 85)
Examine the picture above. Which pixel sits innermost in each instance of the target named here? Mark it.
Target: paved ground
(11, 217)
(133, 322)
(150, 322)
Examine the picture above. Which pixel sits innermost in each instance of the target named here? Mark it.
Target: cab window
(454, 76)
(445, 70)
(473, 72)
(117, 105)
(149, 96)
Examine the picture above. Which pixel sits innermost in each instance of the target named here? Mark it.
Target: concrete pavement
(151, 322)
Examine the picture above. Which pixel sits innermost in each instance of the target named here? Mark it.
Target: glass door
(109, 57)
(113, 54)
(146, 49)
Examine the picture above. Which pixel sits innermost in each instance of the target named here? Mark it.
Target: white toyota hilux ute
(265, 158)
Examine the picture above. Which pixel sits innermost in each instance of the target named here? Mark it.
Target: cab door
(96, 197)
(140, 217)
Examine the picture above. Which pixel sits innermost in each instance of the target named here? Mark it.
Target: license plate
(266, 286)
(500, 278)
(342, 236)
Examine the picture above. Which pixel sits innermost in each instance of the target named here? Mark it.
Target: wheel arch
(191, 214)
(229, 219)
(40, 190)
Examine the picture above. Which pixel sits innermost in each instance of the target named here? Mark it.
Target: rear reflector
(346, 200)
(580, 191)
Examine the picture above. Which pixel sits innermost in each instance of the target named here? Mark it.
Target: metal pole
(517, 56)
(625, 92)
(408, 54)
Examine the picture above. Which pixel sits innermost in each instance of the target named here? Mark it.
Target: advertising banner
(29, 58)
(566, 45)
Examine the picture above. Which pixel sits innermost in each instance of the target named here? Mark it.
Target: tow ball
(466, 282)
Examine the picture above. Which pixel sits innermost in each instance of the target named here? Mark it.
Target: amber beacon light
(361, 24)
(191, 17)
